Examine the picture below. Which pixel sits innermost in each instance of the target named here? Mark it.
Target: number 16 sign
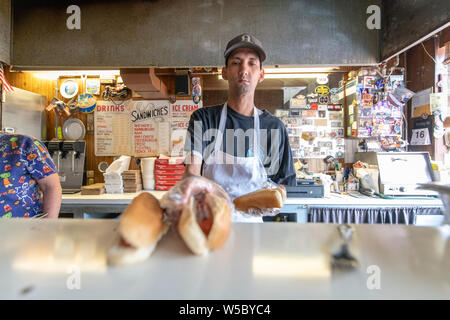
(420, 137)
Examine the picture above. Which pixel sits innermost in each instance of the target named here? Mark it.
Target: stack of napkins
(113, 175)
(131, 181)
(113, 182)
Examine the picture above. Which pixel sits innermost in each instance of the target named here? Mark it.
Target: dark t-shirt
(275, 152)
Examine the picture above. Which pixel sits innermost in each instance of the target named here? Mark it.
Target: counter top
(333, 199)
(65, 259)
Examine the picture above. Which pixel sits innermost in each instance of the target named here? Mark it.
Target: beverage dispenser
(69, 158)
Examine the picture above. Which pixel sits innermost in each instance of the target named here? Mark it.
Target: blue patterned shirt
(23, 161)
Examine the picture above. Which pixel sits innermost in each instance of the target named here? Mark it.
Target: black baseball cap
(245, 40)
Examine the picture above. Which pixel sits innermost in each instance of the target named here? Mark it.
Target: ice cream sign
(184, 108)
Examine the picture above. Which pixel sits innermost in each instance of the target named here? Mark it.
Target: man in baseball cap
(251, 145)
(245, 40)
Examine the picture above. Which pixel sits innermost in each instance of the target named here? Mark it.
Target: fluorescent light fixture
(294, 75)
(298, 70)
(46, 76)
(53, 75)
(290, 75)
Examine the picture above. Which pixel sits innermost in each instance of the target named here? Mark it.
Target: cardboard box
(170, 166)
(94, 189)
(162, 187)
(166, 183)
(173, 160)
(168, 172)
(169, 177)
(131, 175)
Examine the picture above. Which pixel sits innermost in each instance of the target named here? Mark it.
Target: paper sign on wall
(141, 128)
(112, 128)
(147, 118)
(184, 108)
(438, 102)
(178, 136)
(420, 137)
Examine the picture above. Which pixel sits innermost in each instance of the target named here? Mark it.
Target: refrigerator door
(24, 112)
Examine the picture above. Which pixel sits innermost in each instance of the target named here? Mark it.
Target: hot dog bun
(283, 192)
(204, 231)
(140, 228)
(261, 199)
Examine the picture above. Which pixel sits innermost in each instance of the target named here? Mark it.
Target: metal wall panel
(407, 21)
(191, 33)
(5, 31)
(24, 111)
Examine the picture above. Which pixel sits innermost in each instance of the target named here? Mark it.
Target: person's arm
(193, 166)
(194, 145)
(52, 194)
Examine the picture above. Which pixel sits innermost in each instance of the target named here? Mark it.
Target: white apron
(237, 175)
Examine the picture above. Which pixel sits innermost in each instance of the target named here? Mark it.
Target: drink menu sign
(139, 128)
(112, 129)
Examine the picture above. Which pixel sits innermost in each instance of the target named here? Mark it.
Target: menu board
(146, 117)
(178, 136)
(181, 113)
(141, 128)
(112, 128)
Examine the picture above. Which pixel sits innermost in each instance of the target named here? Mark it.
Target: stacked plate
(73, 129)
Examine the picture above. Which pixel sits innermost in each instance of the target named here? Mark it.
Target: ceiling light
(53, 75)
(294, 75)
(298, 70)
(290, 76)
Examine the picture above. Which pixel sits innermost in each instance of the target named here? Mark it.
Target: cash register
(305, 189)
(294, 212)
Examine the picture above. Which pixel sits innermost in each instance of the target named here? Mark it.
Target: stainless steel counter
(97, 206)
(65, 259)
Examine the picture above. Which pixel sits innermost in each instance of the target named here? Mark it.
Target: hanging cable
(428, 53)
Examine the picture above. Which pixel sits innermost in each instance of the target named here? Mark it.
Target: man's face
(243, 71)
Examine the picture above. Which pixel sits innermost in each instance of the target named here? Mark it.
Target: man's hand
(51, 188)
(193, 166)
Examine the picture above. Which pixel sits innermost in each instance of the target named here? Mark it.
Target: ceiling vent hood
(144, 82)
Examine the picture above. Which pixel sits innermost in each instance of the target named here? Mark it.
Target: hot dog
(201, 212)
(205, 223)
(261, 199)
(140, 228)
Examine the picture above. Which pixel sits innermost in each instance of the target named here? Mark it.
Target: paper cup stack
(148, 173)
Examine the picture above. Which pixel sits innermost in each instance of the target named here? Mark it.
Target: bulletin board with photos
(314, 133)
(314, 119)
(375, 106)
